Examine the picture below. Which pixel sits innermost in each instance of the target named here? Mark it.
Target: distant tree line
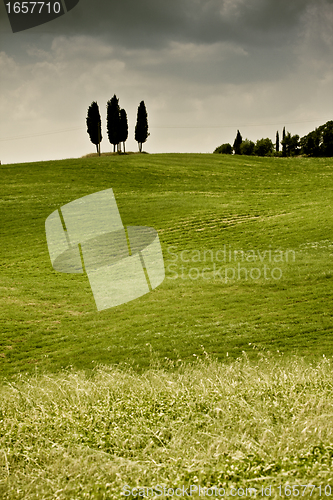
(319, 142)
(117, 125)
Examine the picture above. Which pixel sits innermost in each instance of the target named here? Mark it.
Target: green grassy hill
(261, 419)
(197, 203)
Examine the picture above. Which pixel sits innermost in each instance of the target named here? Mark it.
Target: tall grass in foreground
(73, 436)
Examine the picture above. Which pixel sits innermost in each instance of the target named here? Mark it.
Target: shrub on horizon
(225, 149)
(247, 147)
(319, 142)
(263, 147)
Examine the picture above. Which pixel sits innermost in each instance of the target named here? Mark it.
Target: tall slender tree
(290, 144)
(113, 121)
(141, 127)
(277, 142)
(283, 142)
(94, 126)
(237, 143)
(123, 128)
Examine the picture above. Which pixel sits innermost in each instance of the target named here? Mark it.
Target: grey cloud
(213, 64)
(133, 23)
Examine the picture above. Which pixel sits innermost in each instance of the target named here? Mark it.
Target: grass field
(220, 376)
(243, 425)
(196, 203)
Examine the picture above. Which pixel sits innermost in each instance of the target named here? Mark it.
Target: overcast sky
(204, 68)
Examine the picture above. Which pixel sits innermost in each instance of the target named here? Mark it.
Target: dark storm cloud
(240, 21)
(143, 23)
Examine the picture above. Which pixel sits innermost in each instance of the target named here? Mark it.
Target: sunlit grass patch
(246, 423)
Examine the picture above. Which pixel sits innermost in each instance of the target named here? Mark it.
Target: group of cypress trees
(117, 125)
(317, 143)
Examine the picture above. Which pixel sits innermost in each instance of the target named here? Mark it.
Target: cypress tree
(123, 129)
(141, 127)
(284, 148)
(113, 121)
(237, 143)
(287, 144)
(94, 126)
(277, 142)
